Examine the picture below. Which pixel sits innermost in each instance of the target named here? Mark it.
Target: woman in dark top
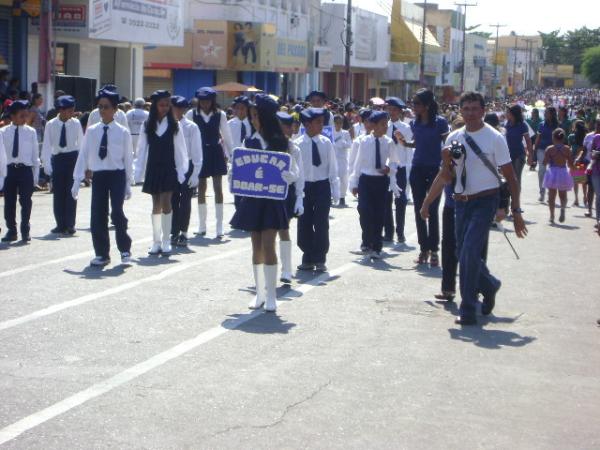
(542, 142)
(516, 131)
(575, 141)
(429, 131)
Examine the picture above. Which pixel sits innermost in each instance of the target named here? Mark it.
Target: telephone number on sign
(141, 23)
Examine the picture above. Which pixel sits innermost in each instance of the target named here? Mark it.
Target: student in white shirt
(95, 116)
(182, 198)
(321, 184)
(23, 168)
(240, 128)
(373, 175)
(294, 201)
(63, 137)
(366, 130)
(162, 163)
(135, 119)
(217, 146)
(318, 99)
(342, 143)
(396, 127)
(107, 151)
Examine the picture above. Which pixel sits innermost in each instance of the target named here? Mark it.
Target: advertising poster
(251, 46)
(209, 45)
(257, 173)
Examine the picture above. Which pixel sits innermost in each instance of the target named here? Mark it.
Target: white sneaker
(125, 258)
(375, 255)
(155, 249)
(99, 261)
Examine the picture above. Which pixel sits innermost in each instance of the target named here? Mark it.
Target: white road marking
(50, 262)
(27, 423)
(124, 287)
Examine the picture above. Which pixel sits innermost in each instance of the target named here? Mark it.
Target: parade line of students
(178, 146)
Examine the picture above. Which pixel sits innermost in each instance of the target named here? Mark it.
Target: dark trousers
(65, 207)
(372, 201)
(313, 225)
(400, 204)
(421, 179)
(109, 185)
(19, 181)
(518, 164)
(472, 222)
(449, 261)
(181, 203)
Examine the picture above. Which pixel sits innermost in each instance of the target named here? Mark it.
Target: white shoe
(259, 281)
(166, 220)
(219, 217)
(202, 219)
(99, 261)
(285, 254)
(271, 287)
(156, 235)
(125, 258)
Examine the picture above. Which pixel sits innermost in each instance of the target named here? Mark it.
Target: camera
(457, 150)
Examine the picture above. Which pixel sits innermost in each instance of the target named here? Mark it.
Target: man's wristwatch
(517, 211)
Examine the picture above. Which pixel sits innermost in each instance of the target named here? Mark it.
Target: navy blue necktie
(15, 151)
(243, 131)
(377, 154)
(62, 143)
(104, 143)
(316, 158)
(394, 138)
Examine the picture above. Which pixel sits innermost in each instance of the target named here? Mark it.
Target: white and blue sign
(327, 132)
(257, 173)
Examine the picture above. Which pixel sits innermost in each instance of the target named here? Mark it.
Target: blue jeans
(472, 221)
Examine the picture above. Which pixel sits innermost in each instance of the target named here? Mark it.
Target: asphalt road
(165, 355)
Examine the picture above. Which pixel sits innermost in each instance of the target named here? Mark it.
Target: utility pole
(528, 69)
(495, 81)
(348, 45)
(422, 71)
(464, 44)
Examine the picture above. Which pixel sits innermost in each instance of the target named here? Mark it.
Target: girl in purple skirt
(558, 159)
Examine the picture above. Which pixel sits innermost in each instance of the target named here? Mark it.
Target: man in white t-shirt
(476, 198)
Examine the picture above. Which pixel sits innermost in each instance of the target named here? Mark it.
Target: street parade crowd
(388, 153)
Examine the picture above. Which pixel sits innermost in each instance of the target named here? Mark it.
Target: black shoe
(320, 267)
(388, 238)
(69, 232)
(306, 266)
(342, 202)
(182, 241)
(466, 321)
(174, 239)
(401, 240)
(489, 302)
(57, 230)
(10, 236)
(25, 237)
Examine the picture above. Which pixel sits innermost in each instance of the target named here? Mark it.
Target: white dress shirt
(365, 163)
(359, 129)
(354, 151)
(52, 132)
(235, 126)
(404, 153)
(328, 169)
(193, 142)
(181, 153)
(223, 128)
(28, 147)
(95, 118)
(135, 119)
(119, 152)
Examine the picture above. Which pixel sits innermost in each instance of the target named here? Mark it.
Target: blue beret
(311, 113)
(161, 93)
(266, 103)
(179, 101)
(18, 105)
(110, 95)
(241, 99)
(285, 118)
(206, 93)
(364, 113)
(395, 101)
(109, 87)
(64, 102)
(297, 108)
(377, 116)
(316, 94)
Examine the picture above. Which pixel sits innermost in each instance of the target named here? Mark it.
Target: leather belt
(466, 198)
(17, 165)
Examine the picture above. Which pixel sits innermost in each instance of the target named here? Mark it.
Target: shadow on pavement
(428, 272)
(96, 273)
(155, 260)
(565, 227)
(490, 339)
(265, 323)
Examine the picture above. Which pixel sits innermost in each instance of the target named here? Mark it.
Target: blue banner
(257, 173)
(327, 132)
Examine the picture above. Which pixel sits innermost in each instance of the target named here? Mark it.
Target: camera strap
(486, 162)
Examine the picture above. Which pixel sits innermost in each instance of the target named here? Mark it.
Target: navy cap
(297, 108)
(285, 118)
(110, 95)
(242, 99)
(161, 93)
(65, 102)
(18, 105)
(109, 87)
(364, 113)
(266, 103)
(311, 113)
(206, 93)
(179, 101)
(316, 94)
(377, 116)
(395, 101)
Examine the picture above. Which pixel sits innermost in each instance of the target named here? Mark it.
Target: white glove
(194, 180)
(127, 191)
(1, 183)
(36, 176)
(288, 177)
(181, 177)
(335, 193)
(395, 189)
(75, 189)
(137, 179)
(299, 206)
(230, 179)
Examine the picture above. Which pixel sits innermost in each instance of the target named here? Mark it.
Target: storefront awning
(406, 39)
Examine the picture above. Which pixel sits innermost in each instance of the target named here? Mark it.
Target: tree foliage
(591, 65)
(568, 48)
